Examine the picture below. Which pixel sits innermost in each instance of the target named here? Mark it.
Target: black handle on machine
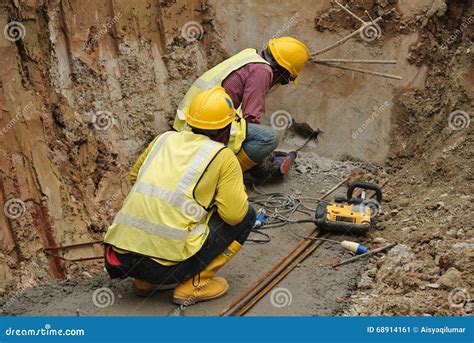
(367, 186)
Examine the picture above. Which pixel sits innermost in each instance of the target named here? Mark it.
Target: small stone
(405, 202)
(120, 296)
(379, 240)
(86, 274)
(440, 205)
(433, 285)
(450, 279)
(394, 212)
(371, 272)
(366, 282)
(451, 233)
(460, 233)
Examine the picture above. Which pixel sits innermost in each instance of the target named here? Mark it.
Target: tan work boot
(209, 285)
(145, 289)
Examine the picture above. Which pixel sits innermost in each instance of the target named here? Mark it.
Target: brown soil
(85, 90)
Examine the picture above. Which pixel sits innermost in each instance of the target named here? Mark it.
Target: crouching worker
(187, 214)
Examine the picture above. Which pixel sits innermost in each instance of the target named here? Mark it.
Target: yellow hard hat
(211, 109)
(289, 53)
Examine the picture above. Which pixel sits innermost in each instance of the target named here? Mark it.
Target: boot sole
(159, 289)
(187, 302)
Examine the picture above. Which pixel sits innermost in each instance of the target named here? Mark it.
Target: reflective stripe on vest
(178, 197)
(214, 77)
(157, 229)
(160, 217)
(174, 198)
(156, 148)
(220, 76)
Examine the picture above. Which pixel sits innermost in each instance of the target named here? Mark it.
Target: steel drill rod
(343, 60)
(350, 13)
(74, 245)
(364, 71)
(371, 252)
(279, 266)
(343, 40)
(242, 310)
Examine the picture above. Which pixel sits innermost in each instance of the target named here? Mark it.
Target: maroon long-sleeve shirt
(248, 86)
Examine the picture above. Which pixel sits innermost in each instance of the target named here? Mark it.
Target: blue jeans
(260, 142)
(221, 235)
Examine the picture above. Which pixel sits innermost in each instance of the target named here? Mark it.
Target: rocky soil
(429, 198)
(87, 87)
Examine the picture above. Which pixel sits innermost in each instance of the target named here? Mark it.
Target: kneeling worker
(187, 213)
(247, 78)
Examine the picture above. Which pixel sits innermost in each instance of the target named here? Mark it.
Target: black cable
(259, 241)
(280, 207)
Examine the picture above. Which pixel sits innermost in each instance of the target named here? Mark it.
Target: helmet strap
(280, 74)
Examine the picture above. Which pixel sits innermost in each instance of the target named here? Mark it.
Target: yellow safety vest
(214, 77)
(160, 217)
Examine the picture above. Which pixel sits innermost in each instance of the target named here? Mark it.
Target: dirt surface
(429, 196)
(85, 87)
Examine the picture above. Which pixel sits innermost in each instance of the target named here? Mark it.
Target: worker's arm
(136, 167)
(231, 199)
(255, 90)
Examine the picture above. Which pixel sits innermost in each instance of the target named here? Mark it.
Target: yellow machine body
(349, 213)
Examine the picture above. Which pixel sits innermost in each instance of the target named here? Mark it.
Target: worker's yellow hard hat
(289, 53)
(211, 109)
